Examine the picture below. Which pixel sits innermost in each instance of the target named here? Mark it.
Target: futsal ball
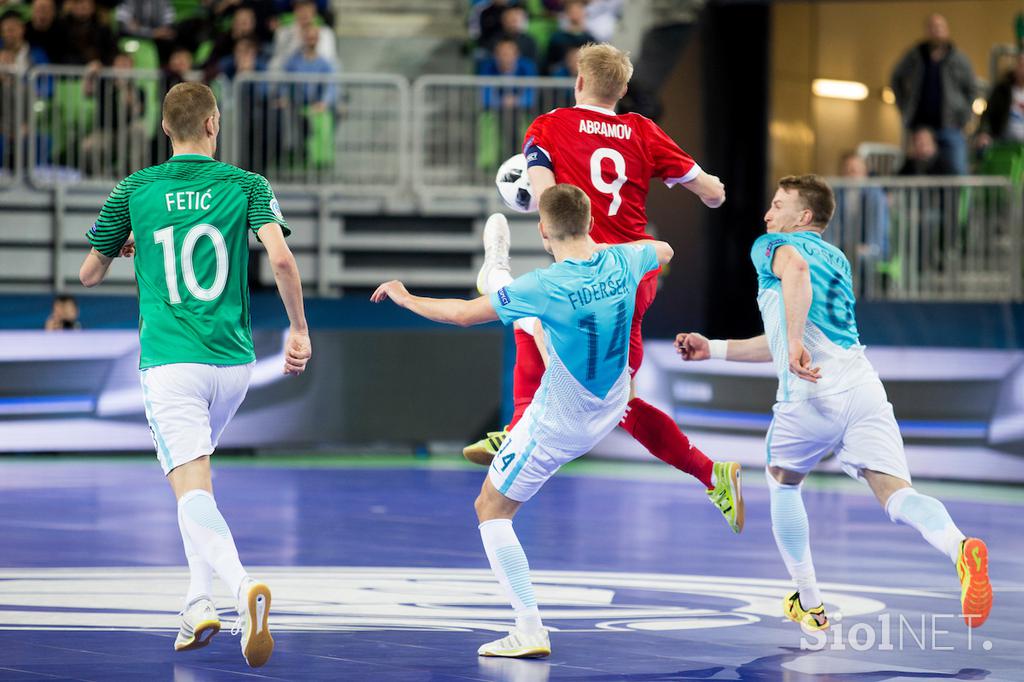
(514, 185)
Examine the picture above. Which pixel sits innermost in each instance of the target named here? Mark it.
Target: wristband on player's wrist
(719, 348)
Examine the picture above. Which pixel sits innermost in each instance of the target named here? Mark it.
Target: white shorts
(188, 405)
(858, 425)
(531, 455)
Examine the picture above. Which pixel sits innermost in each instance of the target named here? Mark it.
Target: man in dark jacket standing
(934, 86)
(1003, 120)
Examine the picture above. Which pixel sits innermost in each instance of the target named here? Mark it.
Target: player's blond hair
(565, 212)
(815, 194)
(186, 108)
(606, 70)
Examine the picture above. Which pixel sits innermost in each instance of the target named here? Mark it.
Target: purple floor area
(378, 574)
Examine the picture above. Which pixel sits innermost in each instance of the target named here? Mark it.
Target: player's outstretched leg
(659, 433)
(204, 529)
(931, 519)
(790, 528)
(529, 638)
(494, 274)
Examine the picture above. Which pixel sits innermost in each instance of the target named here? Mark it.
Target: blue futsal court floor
(378, 574)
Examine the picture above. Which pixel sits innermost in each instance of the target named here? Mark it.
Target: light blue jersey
(831, 335)
(586, 309)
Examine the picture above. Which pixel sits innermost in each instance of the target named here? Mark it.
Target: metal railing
(345, 131)
(12, 121)
(931, 238)
(464, 127)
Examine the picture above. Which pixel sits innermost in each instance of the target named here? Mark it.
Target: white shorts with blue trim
(858, 425)
(188, 405)
(532, 453)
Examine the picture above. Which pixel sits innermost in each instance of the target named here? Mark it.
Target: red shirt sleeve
(536, 150)
(670, 163)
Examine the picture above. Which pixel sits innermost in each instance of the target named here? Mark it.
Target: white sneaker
(519, 644)
(253, 612)
(497, 239)
(199, 623)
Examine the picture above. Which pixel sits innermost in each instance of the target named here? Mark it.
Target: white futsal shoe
(497, 240)
(519, 644)
(253, 612)
(199, 623)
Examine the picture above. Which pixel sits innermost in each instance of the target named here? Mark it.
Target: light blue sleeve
(640, 259)
(526, 296)
(763, 251)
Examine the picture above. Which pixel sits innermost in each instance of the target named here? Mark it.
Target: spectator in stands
(923, 157)
(485, 20)
(89, 40)
(260, 127)
(572, 33)
(508, 61)
(603, 18)
(263, 10)
(44, 31)
(148, 19)
(63, 315)
(306, 104)
(513, 27)
(118, 141)
(288, 39)
(569, 67)
(245, 58)
(864, 213)
(934, 86)
(1003, 120)
(177, 70)
(12, 40)
(243, 27)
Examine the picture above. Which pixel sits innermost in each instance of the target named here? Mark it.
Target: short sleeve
(535, 148)
(111, 229)
(763, 251)
(640, 259)
(263, 206)
(671, 163)
(526, 296)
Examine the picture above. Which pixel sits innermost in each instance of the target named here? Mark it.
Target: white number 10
(165, 238)
(615, 185)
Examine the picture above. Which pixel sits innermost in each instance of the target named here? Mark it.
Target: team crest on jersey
(771, 245)
(503, 296)
(276, 208)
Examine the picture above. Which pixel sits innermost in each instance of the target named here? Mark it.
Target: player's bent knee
(784, 476)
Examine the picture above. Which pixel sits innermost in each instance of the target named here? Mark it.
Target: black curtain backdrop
(735, 95)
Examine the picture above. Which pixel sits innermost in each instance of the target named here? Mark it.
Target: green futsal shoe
(727, 494)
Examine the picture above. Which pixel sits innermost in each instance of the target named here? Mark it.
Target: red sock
(657, 432)
(526, 375)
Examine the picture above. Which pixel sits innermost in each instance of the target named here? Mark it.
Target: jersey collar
(600, 110)
(190, 157)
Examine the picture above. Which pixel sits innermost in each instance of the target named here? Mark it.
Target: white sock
(929, 517)
(508, 561)
(789, 526)
(211, 538)
(200, 572)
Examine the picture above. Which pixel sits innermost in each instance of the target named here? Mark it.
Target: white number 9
(615, 185)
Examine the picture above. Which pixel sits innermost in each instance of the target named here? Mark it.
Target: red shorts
(645, 293)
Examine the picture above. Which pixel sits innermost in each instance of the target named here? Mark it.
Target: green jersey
(191, 219)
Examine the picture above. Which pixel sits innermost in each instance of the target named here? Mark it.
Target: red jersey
(612, 158)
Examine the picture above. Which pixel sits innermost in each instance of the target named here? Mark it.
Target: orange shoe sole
(977, 601)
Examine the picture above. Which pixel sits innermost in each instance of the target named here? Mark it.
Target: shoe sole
(202, 636)
(481, 457)
(533, 652)
(977, 603)
(261, 644)
(737, 497)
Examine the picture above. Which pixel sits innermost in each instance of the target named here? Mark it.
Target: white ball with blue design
(514, 185)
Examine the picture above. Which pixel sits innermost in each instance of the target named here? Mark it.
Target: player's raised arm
(692, 346)
(791, 268)
(298, 349)
(709, 188)
(455, 311)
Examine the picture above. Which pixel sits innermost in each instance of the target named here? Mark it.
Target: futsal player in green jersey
(187, 223)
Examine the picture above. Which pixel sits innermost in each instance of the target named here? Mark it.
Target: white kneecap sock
(211, 537)
(200, 572)
(508, 561)
(929, 517)
(792, 536)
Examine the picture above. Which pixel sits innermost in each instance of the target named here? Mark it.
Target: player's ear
(163, 126)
